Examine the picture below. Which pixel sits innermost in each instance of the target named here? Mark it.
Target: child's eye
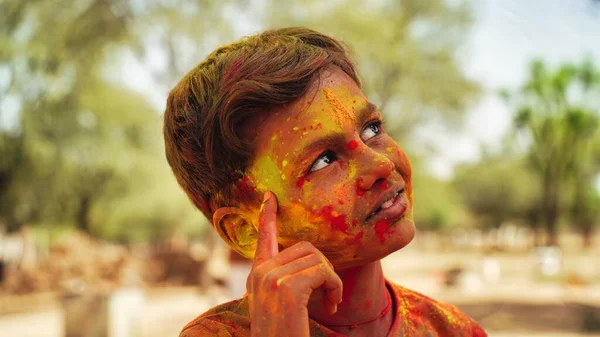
(371, 131)
(323, 161)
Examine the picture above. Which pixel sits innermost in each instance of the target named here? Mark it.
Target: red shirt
(416, 315)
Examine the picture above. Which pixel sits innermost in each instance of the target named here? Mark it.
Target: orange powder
(339, 112)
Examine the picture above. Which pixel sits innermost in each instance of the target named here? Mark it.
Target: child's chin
(378, 249)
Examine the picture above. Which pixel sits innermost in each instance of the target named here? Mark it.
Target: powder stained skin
(338, 222)
(381, 228)
(352, 145)
(340, 113)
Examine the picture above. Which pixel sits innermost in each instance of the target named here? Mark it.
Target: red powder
(354, 222)
(301, 180)
(381, 228)
(341, 201)
(337, 222)
(352, 144)
(360, 192)
(384, 184)
(244, 187)
(232, 70)
(357, 237)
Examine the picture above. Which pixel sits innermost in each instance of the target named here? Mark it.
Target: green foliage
(437, 204)
(405, 52)
(559, 113)
(497, 190)
(88, 153)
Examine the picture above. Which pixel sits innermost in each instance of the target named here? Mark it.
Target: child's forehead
(335, 98)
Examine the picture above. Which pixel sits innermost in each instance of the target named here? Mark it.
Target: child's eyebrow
(335, 137)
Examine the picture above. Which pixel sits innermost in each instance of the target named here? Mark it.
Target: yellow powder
(268, 176)
(284, 163)
(295, 128)
(351, 170)
(339, 112)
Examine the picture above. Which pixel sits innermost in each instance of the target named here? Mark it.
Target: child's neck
(365, 296)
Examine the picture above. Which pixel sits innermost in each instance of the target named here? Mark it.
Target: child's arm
(280, 283)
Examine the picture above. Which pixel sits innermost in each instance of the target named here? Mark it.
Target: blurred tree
(497, 190)
(83, 144)
(80, 141)
(437, 205)
(405, 49)
(558, 112)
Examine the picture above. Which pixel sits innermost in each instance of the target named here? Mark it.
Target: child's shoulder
(421, 313)
(228, 319)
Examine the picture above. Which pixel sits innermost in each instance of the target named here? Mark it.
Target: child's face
(331, 165)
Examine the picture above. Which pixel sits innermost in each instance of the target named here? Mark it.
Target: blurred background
(496, 102)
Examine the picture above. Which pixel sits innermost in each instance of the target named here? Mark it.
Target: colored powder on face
(352, 145)
(339, 112)
(354, 222)
(381, 228)
(351, 170)
(360, 192)
(300, 182)
(384, 184)
(267, 176)
(337, 221)
(357, 237)
(245, 185)
(341, 202)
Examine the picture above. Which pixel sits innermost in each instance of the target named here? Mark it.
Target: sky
(506, 36)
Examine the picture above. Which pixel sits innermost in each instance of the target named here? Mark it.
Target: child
(272, 138)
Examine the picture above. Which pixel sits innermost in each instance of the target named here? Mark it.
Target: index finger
(266, 245)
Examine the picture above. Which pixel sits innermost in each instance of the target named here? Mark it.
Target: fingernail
(267, 196)
(334, 309)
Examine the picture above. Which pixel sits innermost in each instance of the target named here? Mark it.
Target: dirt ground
(515, 305)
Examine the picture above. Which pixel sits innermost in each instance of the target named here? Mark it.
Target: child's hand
(280, 283)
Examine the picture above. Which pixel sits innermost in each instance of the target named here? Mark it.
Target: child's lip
(396, 192)
(394, 212)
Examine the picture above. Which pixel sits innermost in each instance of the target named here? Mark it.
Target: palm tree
(555, 110)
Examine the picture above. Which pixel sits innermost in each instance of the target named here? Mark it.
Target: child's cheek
(267, 176)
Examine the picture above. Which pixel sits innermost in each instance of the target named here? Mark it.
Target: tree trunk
(550, 208)
(83, 221)
(587, 236)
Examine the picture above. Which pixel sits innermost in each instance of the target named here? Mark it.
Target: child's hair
(204, 147)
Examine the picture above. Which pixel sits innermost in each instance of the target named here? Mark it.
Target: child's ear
(237, 229)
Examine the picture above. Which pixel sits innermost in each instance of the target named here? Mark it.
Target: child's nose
(375, 170)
